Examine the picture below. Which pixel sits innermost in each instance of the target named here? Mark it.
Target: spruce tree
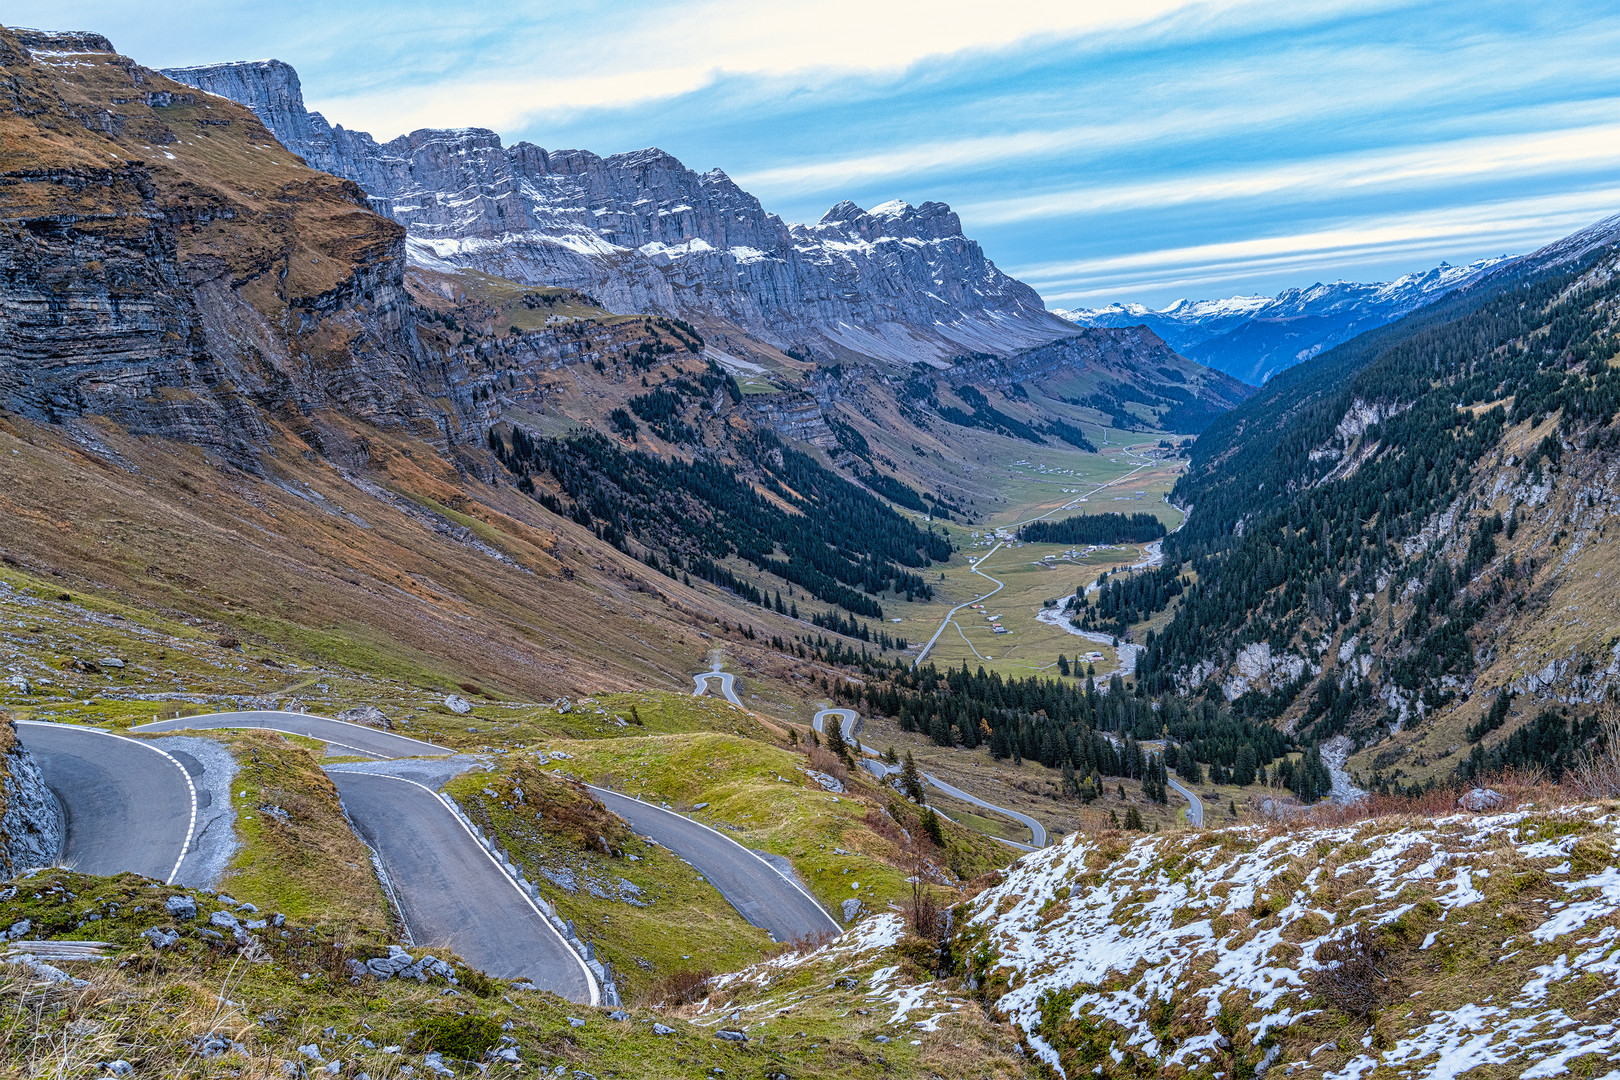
(910, 781)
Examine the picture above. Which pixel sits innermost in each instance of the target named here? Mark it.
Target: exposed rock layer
(641, 232)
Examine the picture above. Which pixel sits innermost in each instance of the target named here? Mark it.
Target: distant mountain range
(640, 232)
(1254, 337)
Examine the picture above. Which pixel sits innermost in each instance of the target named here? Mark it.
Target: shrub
(681, 987)
(1352, 977)
(464, 1037)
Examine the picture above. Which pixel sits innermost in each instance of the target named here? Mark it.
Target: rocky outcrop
(164, 264)
(30, 819)
(1133, 357)
(641, 232)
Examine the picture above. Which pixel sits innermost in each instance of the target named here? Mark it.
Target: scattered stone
(850, 908)
(312, 1052)
(618, 1014)
(118, 1067)
(225, 921)
(228, 901)
(729, 1035)
(180, 907)
(433, 1062)
(700, 806)
(882, 1039)
(663, 1029)
(20, 929)
(458, 705)
(160, 938)
(507, 1054)
(110, 661)
(574, 1021)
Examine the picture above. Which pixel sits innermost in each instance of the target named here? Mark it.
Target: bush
(680, 987)
(1353, 976)
(464, 1037)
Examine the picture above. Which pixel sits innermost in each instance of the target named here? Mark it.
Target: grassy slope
(304, 861)
(672, 920)
(151, 1008)
(761, 796)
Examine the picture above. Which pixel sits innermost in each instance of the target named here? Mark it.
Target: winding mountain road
(727, 681)
(1195, 805)
(950, 616)
(761, 893)
(471, 905)
(848, 721)
(126, 805)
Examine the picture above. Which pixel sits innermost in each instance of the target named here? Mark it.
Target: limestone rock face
(642, 232)
(164, 264)
(31, 825)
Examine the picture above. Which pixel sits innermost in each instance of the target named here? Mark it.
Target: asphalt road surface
(760, 893)
(1195, 805)
(452, 893)
(847, 720)
(127, 806)
(728, 684)
(341, 734)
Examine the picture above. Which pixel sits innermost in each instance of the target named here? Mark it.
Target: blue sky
(1100, 151)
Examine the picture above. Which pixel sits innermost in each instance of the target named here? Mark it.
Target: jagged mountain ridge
(1254, 337)
(641, 232)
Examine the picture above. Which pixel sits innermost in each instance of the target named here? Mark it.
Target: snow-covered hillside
(1494, 942)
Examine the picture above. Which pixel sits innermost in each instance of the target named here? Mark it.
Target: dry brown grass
(1597, 776)
(1517, 787)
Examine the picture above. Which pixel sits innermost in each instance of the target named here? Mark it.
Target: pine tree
(1133, 820)
(910, 782)
(835, 740)
(931, 826)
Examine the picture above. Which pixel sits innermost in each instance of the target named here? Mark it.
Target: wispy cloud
(1495, 157)
(1483, 226)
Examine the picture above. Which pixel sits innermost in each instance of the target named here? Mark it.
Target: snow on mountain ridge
(1253, 337)
(641, 232)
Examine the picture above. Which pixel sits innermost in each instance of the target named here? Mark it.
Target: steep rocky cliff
(641, 232)
(168, 265)
(1128, 373)
(30, 819)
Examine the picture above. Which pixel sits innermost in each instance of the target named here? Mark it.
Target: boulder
(180, 907)
(730, 1035)
(1480, 800)
(850, 909)
(457, 705)
(369, 715)
(224, 920)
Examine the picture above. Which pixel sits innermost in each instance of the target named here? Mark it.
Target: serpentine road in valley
(728, 684)
(412, 830)
(847, 724)
(950, 616)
